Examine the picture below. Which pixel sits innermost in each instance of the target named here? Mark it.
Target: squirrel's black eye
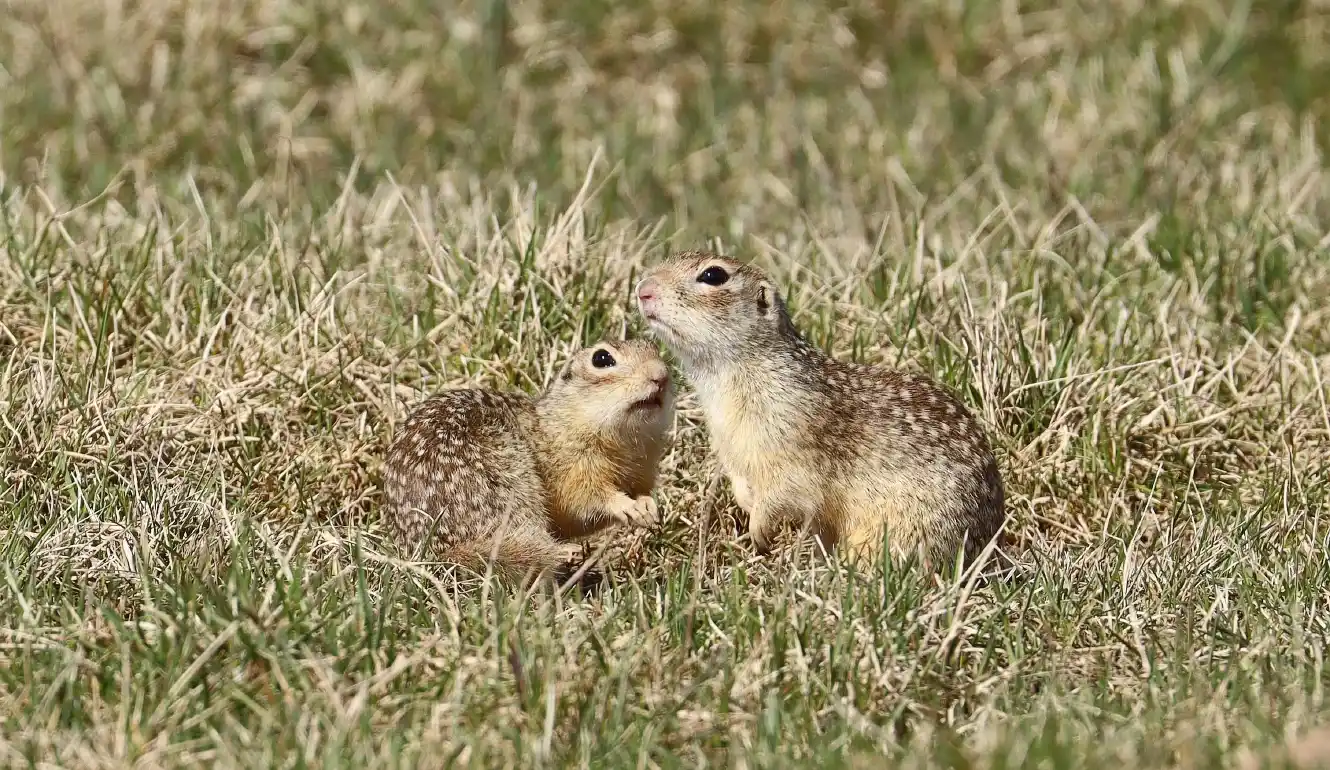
(602, 358)
(714, 276)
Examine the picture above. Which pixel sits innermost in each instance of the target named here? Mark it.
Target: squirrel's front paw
(759, 533)
(571, 552)
(641, 512)
(743, 494)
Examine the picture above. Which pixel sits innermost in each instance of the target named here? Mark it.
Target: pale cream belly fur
(768, 483)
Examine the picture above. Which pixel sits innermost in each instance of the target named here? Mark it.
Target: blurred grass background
(287, 96)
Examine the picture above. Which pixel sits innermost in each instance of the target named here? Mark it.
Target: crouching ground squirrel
(482, 477)
(851, 452)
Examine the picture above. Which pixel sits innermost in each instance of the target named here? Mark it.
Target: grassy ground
(241, 238)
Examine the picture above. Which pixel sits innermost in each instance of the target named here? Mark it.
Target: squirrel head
(708, 307)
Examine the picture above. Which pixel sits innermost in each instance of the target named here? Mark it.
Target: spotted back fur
(462, 470)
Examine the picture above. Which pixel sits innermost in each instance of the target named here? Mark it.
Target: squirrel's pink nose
(646, 290)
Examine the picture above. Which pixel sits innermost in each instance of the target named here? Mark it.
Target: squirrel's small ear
(764, 296)
(566, 372)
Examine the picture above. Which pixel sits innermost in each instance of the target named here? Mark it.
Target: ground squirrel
(845, 450)
(480, 477)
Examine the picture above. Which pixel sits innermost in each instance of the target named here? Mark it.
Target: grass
(239, 240)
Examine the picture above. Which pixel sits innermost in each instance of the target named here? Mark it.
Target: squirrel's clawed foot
(640, 512)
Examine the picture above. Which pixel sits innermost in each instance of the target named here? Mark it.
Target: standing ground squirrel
(481, 477)
(843, 449)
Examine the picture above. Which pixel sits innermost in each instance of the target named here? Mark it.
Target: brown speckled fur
(480, 478)
(847, 450)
